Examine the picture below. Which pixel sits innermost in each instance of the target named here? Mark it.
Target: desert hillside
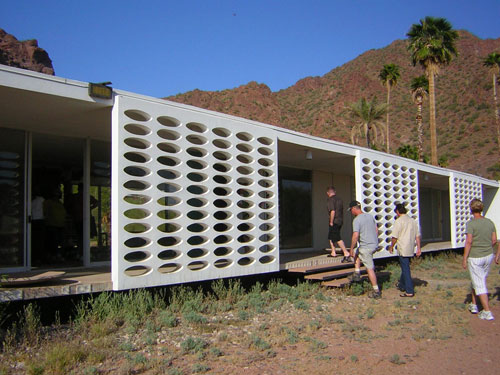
(24, 54)
(317, 105)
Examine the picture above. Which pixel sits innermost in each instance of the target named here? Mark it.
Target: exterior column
(86, 203)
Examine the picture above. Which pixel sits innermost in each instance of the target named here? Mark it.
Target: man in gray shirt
(364, 230)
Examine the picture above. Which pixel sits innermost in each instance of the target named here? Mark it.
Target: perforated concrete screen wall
(383, 183)
(465, 190)
(195, 196)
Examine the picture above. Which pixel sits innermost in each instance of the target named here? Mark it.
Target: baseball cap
(354, 204)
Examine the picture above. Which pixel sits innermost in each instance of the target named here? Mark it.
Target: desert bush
(132, 307)
(193, 345)
(185, 299)
(396, 360)
(259, 343)
(30, 325)
(194, 317)
(167, 319)
(62, 357)
(199, 368)
(229, 293)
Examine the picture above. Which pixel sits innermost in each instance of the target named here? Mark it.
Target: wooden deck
(307, 259)
(73, 281)
(98, 279)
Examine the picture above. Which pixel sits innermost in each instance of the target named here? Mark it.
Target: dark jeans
(405, 282)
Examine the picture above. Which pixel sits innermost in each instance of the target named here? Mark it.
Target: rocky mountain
(24, 54)
(317, 105)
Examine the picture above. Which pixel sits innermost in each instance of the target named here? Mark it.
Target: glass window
(295, 198)
(57, 171)
(100, 201)
(12, 175)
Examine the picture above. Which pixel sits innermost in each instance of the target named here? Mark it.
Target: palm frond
(432, 42)
(389, 74)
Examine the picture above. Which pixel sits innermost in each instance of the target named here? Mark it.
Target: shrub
(194, 317)
(193, 345)
(230, 293)
(184, 299)
(216, 352)
(134, 305)
(29, 320)
(166, 318)
(63, 357)
(396, 360)
(259, 343)
(197, 368)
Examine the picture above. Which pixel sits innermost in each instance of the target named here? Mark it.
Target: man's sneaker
(486, 315)
(472, 308)
(375, 295)
(355, 277)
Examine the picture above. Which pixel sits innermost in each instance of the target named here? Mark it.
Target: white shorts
(478, 269)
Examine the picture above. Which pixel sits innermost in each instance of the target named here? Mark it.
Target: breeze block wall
(194, 195)
(381, 182)
(465, 189)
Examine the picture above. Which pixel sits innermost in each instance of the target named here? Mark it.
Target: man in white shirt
(405, 235)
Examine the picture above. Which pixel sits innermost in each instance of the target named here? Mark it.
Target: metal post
(453, 211)
(27, 198)
(86, 203)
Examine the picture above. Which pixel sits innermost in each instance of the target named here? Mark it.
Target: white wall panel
(381, 183)
(465, 189)
(195, 196)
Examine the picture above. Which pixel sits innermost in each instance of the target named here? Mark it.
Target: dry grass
(196, 332)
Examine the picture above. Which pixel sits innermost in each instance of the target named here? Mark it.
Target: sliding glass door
(100, 202)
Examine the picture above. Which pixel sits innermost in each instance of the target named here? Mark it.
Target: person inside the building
(55, 222)
(77, 215)
(37, 226)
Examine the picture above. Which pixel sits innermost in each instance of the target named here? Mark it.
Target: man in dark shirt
(335, 208)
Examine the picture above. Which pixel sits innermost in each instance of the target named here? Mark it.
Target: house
(167, 193)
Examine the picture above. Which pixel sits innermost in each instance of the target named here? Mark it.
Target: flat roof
(28, 99)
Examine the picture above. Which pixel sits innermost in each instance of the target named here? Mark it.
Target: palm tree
(408, 151)
(368, 116)
(492, 61)
(419, 90)
(432, 45)
(389, 76)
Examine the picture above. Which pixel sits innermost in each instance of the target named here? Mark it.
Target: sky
(165, 47)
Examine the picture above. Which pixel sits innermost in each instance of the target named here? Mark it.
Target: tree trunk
(368, 139)
(432, 116)
(420, 134)
(497, 119)
(387, 146)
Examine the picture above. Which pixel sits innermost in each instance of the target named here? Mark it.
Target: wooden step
(340, 283)
(336, 283)
(336, 274)
(322, 268)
